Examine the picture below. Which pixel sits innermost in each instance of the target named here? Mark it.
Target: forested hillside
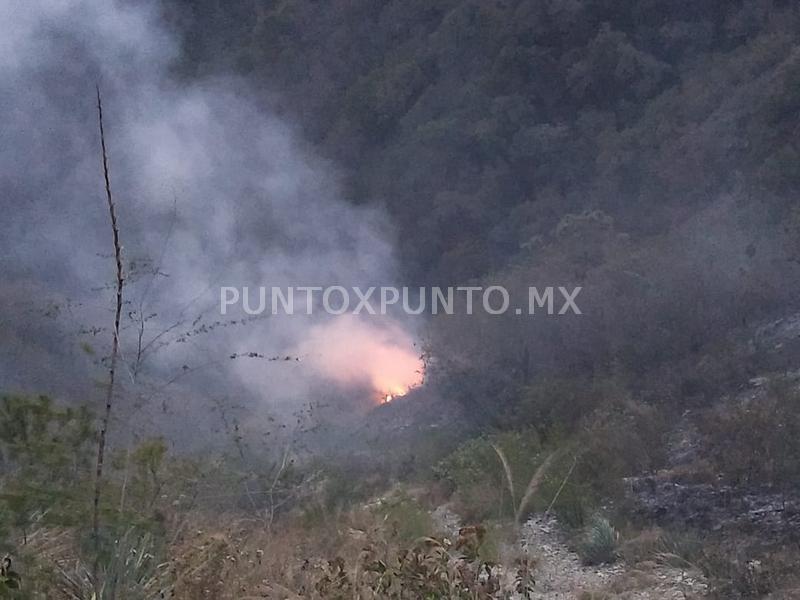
(158, 155)
(644, 150)
(481, 124)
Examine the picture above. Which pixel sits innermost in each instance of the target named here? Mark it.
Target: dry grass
(361, 555)
(520, 510)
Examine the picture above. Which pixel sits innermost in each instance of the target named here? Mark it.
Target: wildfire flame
(392, 394)
(379, 354)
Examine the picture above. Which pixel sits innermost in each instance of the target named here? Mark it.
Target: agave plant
(131, 572)
(600, 542)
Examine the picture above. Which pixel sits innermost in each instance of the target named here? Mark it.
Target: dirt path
(561, 575)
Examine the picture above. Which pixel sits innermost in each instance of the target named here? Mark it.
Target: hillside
(480, 125)
(206, 393)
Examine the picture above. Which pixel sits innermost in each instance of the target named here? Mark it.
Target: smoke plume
(211, 190)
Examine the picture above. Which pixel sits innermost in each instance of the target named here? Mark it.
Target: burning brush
(382, 356)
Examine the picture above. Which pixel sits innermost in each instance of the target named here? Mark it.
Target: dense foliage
(481, 124)
(645, 151)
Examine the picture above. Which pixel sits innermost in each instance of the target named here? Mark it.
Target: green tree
(45, 454)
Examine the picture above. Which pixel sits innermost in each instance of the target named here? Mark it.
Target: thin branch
(140, 347)
(563, 483)
(103, 433)
(272, 506)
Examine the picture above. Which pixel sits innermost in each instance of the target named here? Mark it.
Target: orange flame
(396, 392)
(353, 351)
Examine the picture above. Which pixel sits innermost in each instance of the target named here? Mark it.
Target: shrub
(620, 438)
(757, 441)
(733, 576)
(45, 456)
(600, 543)
(9, 579)
(406, 518)
(554, 404)
(680, 549)
(478, 475)
(428, 568)
(131, 570)
(565, 492)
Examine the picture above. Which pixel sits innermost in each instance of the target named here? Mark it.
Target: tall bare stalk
(112, 371)
(533, 484)
(533, 487)
(509, 477)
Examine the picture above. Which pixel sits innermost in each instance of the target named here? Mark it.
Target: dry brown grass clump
(361, 555)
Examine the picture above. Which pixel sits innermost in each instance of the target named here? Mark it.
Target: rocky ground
(560, 575)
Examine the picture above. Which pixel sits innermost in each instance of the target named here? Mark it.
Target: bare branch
(103, 433)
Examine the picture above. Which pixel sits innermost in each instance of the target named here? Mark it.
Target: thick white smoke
(211, 190)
